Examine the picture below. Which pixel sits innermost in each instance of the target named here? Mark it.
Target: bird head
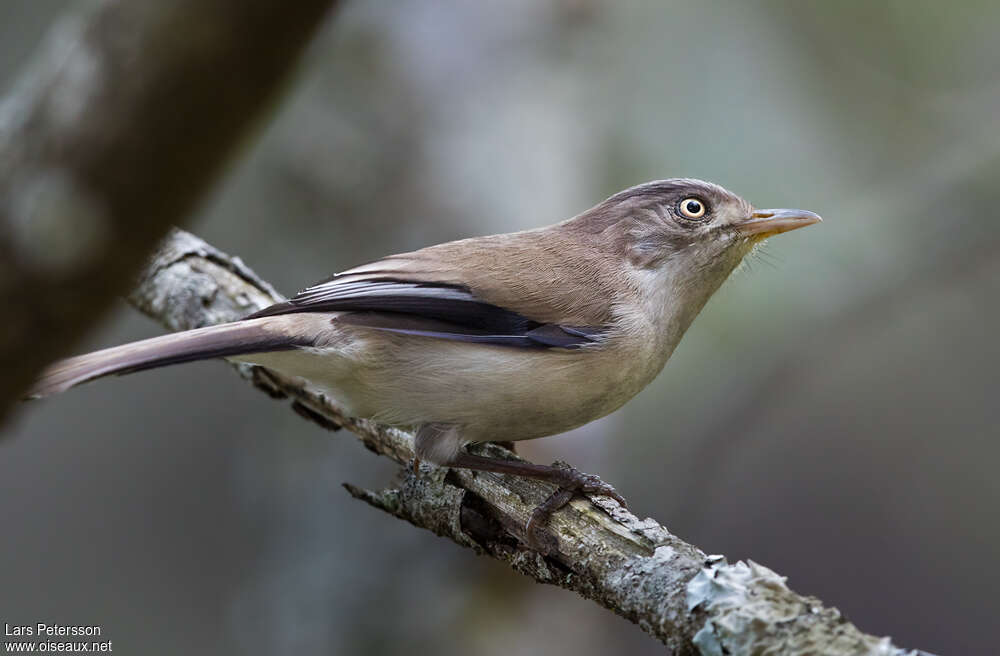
(681, 238)
(686, 221)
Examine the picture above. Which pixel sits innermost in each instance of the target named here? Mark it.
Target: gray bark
(121, 123)
(694, 603)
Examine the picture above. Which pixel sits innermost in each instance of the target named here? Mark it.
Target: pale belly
(492, 392)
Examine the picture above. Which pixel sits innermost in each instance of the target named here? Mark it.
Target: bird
(497, 338)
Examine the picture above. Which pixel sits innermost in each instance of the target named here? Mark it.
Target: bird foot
(571, 482)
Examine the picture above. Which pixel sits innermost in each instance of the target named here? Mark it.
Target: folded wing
(429, 309)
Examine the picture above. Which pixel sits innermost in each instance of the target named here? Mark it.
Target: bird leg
(570, 482)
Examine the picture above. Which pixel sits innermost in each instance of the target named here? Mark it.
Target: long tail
(240, 337)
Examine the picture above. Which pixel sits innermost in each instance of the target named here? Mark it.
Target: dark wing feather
(430, 310)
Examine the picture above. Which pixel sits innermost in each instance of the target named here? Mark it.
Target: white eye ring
(692, 208)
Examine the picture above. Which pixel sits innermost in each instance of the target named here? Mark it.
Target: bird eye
(692, 208)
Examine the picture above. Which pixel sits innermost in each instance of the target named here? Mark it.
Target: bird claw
(571, 482)
(593, 485)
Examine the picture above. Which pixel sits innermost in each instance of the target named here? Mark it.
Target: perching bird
(499, 338)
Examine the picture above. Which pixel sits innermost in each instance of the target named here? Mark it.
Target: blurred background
(832, 414)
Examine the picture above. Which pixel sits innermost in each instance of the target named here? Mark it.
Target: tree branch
(693, 603)
(130, 109)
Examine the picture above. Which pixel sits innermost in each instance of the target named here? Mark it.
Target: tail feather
(240, 337)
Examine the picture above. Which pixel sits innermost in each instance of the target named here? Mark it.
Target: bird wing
(532, 289)
(428, 309)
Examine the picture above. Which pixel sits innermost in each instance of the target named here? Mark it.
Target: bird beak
(765, 223)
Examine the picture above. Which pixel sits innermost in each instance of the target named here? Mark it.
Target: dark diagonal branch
(129, 109)
(694, 603)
